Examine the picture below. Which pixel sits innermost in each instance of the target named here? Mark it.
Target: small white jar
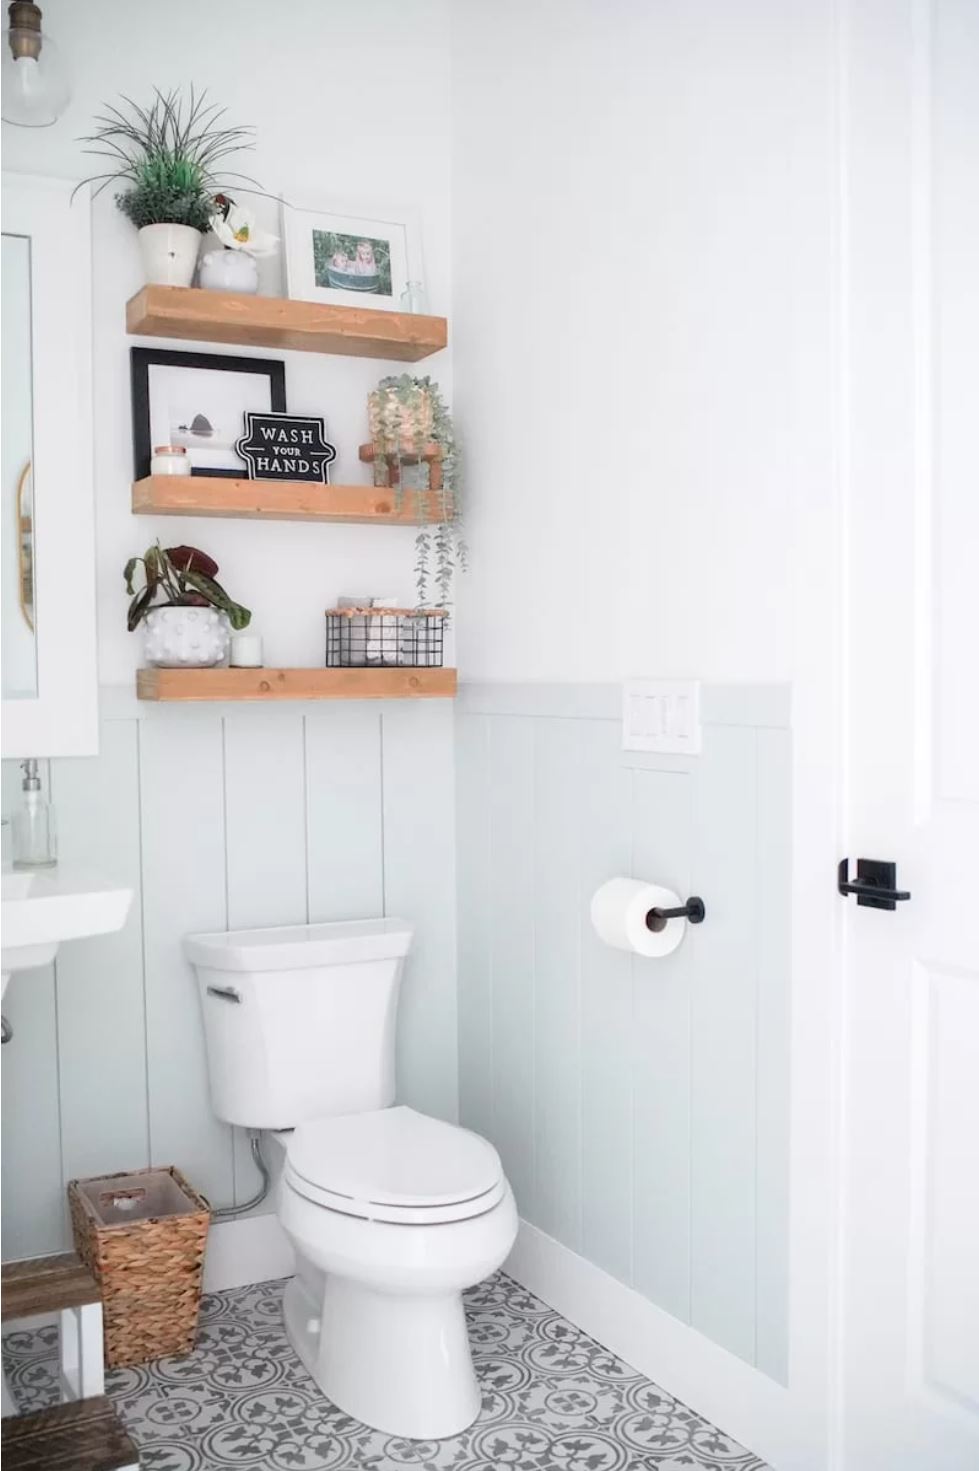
(169, 459)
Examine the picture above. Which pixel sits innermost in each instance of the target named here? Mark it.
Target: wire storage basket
(359, 638)
(142, 1236)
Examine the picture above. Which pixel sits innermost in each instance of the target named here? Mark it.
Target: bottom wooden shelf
(295, 684)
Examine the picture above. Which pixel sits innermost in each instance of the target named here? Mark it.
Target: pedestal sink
(42, 907)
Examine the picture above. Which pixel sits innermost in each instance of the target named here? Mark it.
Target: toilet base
(400, 1364)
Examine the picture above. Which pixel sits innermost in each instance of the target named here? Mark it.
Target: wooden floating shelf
(295, 684)
(194, 315)
(280, 500)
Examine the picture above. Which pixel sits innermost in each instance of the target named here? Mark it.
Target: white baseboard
(254, 1249)
(725, 1390)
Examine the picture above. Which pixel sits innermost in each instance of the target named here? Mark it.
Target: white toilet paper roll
(618, 912)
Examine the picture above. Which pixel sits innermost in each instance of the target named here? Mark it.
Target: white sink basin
(42, 907)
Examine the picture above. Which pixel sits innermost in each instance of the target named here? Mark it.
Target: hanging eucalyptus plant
(408, 416)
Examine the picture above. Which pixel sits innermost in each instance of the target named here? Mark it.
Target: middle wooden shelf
(281, 500)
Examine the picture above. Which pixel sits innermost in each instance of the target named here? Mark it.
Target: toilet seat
(394, 1165)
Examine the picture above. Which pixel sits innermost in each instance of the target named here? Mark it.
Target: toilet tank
(300, 1022)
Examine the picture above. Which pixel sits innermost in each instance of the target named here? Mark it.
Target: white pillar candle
(246, 651)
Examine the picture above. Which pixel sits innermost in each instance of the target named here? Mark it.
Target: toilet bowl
(392, 1213)
(395, 1214)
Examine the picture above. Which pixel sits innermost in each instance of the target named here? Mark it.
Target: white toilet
(391, 1213)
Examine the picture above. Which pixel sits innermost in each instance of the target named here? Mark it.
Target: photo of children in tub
(352, 263)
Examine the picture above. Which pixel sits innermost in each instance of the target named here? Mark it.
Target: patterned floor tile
(553, 1399)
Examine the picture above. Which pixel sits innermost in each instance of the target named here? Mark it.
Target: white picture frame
(324, 259)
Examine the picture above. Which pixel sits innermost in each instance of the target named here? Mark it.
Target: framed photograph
(199, 400)
(348, 259)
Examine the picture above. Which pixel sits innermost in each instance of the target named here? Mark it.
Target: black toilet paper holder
(694, 910)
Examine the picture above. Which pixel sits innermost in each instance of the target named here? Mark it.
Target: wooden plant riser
(387, 468)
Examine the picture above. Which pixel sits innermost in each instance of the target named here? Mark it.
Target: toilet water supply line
(227, 1211)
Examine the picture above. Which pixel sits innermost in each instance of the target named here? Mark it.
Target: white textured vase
(229, 270)
(169, 254)
(185, 638)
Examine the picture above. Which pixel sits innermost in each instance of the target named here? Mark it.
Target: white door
(910, 400)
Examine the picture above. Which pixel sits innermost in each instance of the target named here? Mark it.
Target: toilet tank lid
(293, 947)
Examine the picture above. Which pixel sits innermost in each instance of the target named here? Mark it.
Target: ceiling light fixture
(35, 80)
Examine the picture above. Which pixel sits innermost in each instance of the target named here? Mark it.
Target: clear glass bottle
(413, 298)
(35, 841)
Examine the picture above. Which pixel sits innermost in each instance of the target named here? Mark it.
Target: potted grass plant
(169, 157)
(191, 627)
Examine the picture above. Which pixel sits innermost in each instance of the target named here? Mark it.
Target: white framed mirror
(47, 590)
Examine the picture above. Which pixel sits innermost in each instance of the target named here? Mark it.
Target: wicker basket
(142, 1236)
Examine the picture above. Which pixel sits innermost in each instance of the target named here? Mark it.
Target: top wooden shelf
(272, 321)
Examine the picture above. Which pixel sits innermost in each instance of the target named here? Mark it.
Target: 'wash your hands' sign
(285, 447)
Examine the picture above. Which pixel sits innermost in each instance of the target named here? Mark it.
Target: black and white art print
(199, 400)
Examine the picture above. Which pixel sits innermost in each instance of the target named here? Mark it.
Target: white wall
(640, 326)
(334, 94)
(286, 814)
(646, 344)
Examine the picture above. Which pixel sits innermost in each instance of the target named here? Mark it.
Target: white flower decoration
(236, 231)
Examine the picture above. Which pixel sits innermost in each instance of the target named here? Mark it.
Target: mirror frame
(63, 719)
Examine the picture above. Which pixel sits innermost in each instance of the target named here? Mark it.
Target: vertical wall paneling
(101, 1014)
(640, 1106)
(265, 792)
(605, 849)
(34, 1216)
(419, 885)
(182, 786)
(473, 870)
(218, 817)
(772, 904)
(512, 901)
(661, 1052)
(557, 1042)
(723, 1048)
(344, 822)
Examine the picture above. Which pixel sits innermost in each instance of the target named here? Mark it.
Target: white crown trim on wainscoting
(751, 1407)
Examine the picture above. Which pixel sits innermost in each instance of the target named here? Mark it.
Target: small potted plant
(167, 155)
(191, 627)
(414, 449)
(232, 267)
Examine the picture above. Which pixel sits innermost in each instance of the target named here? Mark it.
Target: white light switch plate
(661, 715)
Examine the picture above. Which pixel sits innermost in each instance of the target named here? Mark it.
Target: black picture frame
(141, 359)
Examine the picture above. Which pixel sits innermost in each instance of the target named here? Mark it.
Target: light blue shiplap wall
(218, 816)
(640, 1106)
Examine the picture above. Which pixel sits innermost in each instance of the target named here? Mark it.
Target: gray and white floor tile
(553, 1400)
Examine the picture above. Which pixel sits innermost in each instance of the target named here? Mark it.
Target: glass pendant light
(35, 80)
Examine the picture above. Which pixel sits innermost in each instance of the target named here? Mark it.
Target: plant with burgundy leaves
(181, 577)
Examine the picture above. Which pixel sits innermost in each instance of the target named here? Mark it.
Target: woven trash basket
(142, 1236)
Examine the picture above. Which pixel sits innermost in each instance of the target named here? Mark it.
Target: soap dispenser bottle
(34, 836)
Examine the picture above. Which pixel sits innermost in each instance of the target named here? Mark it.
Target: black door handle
(874, 887)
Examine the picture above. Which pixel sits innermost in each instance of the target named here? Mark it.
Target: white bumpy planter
(229, 270)
(169, 254)
(185, 638)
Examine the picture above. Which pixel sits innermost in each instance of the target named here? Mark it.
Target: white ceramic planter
(229, 270)
(185, 638)
(169, 254)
